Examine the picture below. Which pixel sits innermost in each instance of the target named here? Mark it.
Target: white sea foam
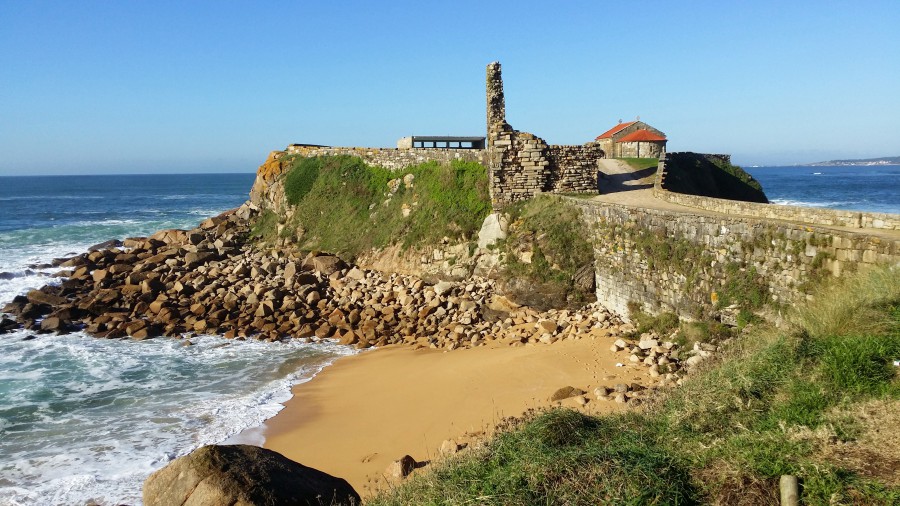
(802, 203)
(90, 419)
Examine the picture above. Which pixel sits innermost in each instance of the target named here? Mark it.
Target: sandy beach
(365, 411)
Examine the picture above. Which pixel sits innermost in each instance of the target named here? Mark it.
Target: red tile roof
(609, 133)
(641, 135)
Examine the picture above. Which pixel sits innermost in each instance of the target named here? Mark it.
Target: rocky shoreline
(214, 280)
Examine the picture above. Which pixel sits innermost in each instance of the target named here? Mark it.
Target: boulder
(112, 243)
(402, 468)
(565, 393)
(39, 297)
(243, 475)
(492, 229)
(326, 264)
(442, 287)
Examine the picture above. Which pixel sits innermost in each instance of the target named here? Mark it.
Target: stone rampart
(391, 158)
(688, 262)
(810, 215)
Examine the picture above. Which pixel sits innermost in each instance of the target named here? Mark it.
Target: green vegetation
(710, 176)
(641, 163)
(740, 286)
(559, 457)
(795, 401)
(552, 232)
(265, 225)
(344, 206)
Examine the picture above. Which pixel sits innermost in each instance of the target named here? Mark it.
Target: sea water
(85, 419)
(874, 188)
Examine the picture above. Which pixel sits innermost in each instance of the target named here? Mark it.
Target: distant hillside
(885, 160)
(711, 176)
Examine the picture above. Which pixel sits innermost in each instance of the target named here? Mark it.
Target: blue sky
(102, 87)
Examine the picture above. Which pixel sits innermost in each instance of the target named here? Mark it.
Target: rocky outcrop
(243, 475)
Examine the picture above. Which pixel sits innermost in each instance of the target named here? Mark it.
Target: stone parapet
(682, 262)
(391, 158)
(810, 215)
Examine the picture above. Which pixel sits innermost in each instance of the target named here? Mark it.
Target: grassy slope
(779, 402)
(553, 233)
(346, 207)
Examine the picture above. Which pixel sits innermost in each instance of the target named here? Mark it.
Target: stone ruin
(522, 165)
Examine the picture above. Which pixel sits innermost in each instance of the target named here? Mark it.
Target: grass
(341, 205)
(641, 163)
(557, 457)
(552, 231)
(778, 401)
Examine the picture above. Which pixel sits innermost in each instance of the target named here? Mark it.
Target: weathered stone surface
(243, 475)
(43, 298)
(326, 264)
(402, 467)
(565, 393)
(493, 229)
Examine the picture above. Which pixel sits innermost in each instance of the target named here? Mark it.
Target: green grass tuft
(641, 163)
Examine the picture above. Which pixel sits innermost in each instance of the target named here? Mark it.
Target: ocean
(87, 420)
(860, 188)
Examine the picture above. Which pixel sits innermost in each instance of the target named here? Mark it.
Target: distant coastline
(864, 162)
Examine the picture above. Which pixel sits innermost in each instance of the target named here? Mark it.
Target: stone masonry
(786, 256)
(522, 165)
(810, 215)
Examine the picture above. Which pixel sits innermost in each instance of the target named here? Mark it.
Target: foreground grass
(344, 206)
(779, 402)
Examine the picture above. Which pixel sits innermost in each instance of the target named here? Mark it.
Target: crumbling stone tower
(496, 103)
(521, 165)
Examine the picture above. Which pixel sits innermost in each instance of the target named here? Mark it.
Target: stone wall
(685, 262)
(574, 168)
(390, 158)
(522, 165)
(810, 215)
(641, 149)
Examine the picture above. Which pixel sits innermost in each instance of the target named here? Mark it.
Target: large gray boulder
(243, 475)
(492, 229)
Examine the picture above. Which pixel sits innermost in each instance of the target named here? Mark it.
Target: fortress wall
(813, 215)
(684, 263)
(392, 158)
(522, 165)
(576, 168)
(810, 215)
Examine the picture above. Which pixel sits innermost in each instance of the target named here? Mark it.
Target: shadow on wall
(629, 181)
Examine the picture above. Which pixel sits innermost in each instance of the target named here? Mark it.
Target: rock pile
(210, 280)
